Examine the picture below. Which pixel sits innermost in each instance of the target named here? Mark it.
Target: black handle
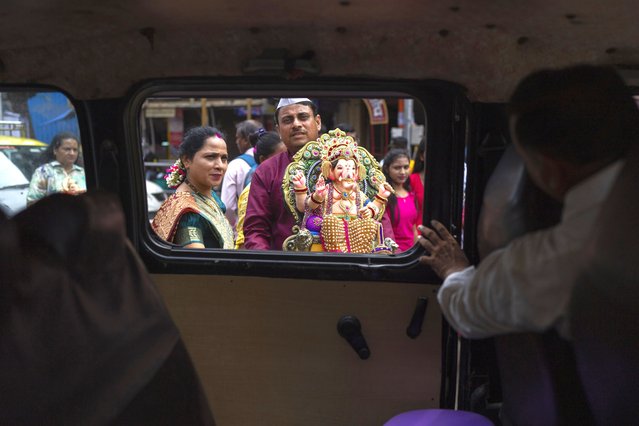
(414, 329)
(350, 329)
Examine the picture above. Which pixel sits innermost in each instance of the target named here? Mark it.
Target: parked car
(19, 157)
(155, 196)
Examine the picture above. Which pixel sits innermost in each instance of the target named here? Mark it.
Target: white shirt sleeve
(229, 189)
(527, 285)
(523, 287)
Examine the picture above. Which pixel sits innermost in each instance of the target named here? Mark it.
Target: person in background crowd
(192, 217)
(572, 128)
(349, 130)
(235, 176)
(402, 208)
(418, 178)
(60, 173)
(267, 144)
(398, 142)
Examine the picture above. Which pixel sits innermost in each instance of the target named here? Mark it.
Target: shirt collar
(592, 191)
(56, 163)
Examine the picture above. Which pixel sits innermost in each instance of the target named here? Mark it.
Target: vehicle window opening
(392, 125)
(40, 148)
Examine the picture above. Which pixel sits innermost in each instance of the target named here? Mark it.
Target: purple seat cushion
(438, 417)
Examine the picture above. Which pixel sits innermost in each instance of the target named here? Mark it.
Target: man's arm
(523, 287)
(257, 223)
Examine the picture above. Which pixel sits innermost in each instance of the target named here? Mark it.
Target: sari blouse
(186, 218)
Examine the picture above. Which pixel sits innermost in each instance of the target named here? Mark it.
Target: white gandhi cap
(290, 101)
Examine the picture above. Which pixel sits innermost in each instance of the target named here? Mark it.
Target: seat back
(84, 331)
(538, 375)
(605, 304)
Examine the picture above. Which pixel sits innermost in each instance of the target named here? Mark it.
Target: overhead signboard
(159, 112)
(377, 111)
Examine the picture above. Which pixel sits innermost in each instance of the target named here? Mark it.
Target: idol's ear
(361, 171)
(327, 169)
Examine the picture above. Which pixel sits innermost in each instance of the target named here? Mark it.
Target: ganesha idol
(337, 193)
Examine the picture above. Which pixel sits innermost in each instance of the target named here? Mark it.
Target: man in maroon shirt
(268, 222)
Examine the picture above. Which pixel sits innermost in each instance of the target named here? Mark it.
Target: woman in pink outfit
(402, 207)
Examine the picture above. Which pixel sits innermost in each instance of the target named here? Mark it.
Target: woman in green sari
(193, 217)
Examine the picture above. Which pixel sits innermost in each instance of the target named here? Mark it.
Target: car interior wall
(268, 351)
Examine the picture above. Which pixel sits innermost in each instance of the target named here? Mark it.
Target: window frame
(82, 117)
(440, 100)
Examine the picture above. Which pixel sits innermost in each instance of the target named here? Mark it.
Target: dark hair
(194, 140)
(419, 165)
(48, 154)
(581, 114)
(265, 143)
(393, 155)
(399, 142)
(307, 103)
(246, 127)
(346, 127)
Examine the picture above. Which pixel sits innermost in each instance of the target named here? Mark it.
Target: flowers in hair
(175, 174)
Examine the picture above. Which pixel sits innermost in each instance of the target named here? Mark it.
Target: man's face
(297, 125)
(242, 143)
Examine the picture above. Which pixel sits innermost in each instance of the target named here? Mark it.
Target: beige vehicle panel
(268, 352)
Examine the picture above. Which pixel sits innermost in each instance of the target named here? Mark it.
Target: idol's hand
(320, 189)
(298, 179)
(366, 213)
(385, 190)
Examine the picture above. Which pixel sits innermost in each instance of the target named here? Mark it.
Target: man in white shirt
(237, 170)
(572, 128)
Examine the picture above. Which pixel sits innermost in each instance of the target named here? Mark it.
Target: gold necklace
(343, 195)
(345, 206)
(194, 189)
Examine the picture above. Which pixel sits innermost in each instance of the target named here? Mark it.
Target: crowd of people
(253, 211)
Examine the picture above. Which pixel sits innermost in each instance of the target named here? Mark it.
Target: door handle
(414, 328)
(350, 329)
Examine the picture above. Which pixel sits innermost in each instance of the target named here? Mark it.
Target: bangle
(300, 190)
(315, 201)
(380, 198)
(372, 210)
